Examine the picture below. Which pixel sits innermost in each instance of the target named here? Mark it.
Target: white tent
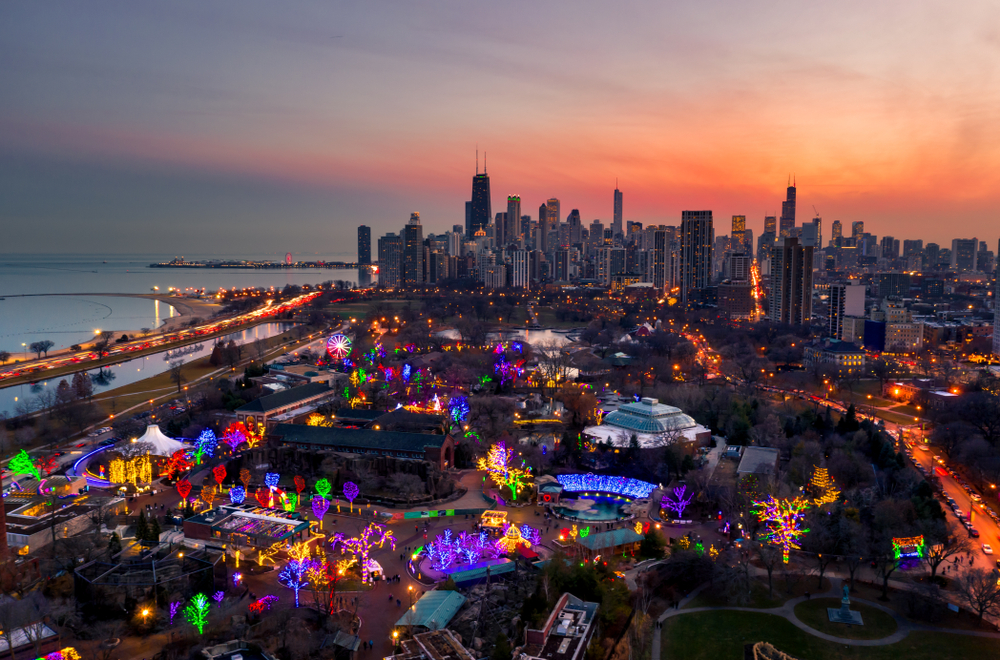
(161, 444)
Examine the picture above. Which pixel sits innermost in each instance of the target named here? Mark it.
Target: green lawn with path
(877, 624)
(723, 633)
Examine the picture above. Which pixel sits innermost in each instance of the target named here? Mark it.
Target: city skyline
(108, 128)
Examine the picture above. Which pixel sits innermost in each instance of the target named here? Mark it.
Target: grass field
(722, 634)
(877, 624)
(759, 597)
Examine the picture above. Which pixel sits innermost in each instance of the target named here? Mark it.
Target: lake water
(69, 320)
(134, 370)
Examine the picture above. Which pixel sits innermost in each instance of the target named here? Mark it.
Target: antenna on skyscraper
(477, 159)
(484, 162)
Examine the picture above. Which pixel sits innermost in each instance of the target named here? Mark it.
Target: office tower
(770, 225)
(836, 232)
(561, 265)
(846, 299)
(736, 266)
(659, 259)
(739, 226)
(413, 252)
(892, 285)
(482, 210)
(513, 224)
(609, 237)
(526, 233)
(913, 248)
(810, 235)
(458, 229)
(697, 236)
(552, 219)
(616, 223)
(788, 211)
(390, 257)
(817, 223)
(790, 299)
(542, 229)
(468, 231)
(748, 241)
(596, 238)
(500, 230)
(963, 253)
(932, 253)
(520, 271)
(887, 247)
(364, 244)
(454, 243)
(857, 229)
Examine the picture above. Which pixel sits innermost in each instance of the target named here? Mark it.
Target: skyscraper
(963, 253)
(697, 236)
(364, 244)
(788, 211)
(857, 229)
(481, 209)
(390, 256)
(836, 232)
(616, 223)
(552, 216)
(500, 230)
(996, 316)
(737, 236)
(659, 259)
(790, 298)
(413, 251)
(770, 225)
(513, 224)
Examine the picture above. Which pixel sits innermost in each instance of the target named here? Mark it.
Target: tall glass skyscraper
(364, 244)
(697, 236)
(480, 208)
(616, 222)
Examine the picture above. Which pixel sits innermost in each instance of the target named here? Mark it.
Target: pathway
(787, 611)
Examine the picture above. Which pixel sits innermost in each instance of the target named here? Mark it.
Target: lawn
(759, 597)
(896, 418)
(877, 624)
(722, 634)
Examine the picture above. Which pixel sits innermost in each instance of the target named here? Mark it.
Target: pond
(601, 508)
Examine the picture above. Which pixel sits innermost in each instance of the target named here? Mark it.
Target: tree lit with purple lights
(350, 492)
(320, 506)
(675, 500)
(373, 536)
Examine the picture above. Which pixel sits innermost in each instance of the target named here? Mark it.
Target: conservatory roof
(649, 416)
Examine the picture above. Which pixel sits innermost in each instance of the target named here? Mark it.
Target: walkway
(787, 611)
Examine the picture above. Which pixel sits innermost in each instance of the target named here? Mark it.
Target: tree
(941, 542)
(43, 346)
(177, 373)
(83, 387)
(145, 331)
(142, 528)
(652, 545)
(506, 469)
(4, 356)
(979, 589)
(884, 370)
(491, 415)
(407, 485)
(103, 341)
(770, 557)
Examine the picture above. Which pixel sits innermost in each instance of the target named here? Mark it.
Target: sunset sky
(231, 127)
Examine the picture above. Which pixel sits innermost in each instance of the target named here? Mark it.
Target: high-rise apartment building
(413, 252)
(481, 209)
(658, 263)
(846, 299)
(500, 230)
(390, 258)
(513, 224)
(520, 271)
(610, 262)
(616, 223)
(913, 248)
(836, 232)
(739, 227)
(552, 219)
(963, 253)
(364, 244)
(596, 238)
(788, 211)
(996, 316)
(857, 229)
(697, 236)
(790, 298)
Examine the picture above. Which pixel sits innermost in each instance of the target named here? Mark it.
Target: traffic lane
(989, 531)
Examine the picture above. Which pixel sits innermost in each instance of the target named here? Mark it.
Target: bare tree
(979, 589)
(407, 485)
(938, 553)
(177, 373)
(134, 449)
(770, 556)
(4, 356)
(39, 347)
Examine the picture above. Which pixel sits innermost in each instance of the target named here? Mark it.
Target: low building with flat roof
(304, 398)
(432, 447)
(247, 526)
(433, 645)
(565, 635)
(758, 460)
(433, 611)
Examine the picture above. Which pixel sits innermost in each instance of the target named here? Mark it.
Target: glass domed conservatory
(653, 423)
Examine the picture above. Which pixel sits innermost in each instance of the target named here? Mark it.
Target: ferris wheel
(338, 346)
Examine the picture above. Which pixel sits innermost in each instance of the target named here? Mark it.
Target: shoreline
(186, 308)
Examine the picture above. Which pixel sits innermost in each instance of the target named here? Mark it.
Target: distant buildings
(413, 251)
(844, 357)
(963, 254)
(480, 208)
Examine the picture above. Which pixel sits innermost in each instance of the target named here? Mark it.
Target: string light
(784, 518)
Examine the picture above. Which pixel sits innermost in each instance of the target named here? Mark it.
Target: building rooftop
(612, 539)
(433, 645)
(360, 439)
(433, 611)
(285, 398)
(758, 459)
(566, 633)
(649, 416)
